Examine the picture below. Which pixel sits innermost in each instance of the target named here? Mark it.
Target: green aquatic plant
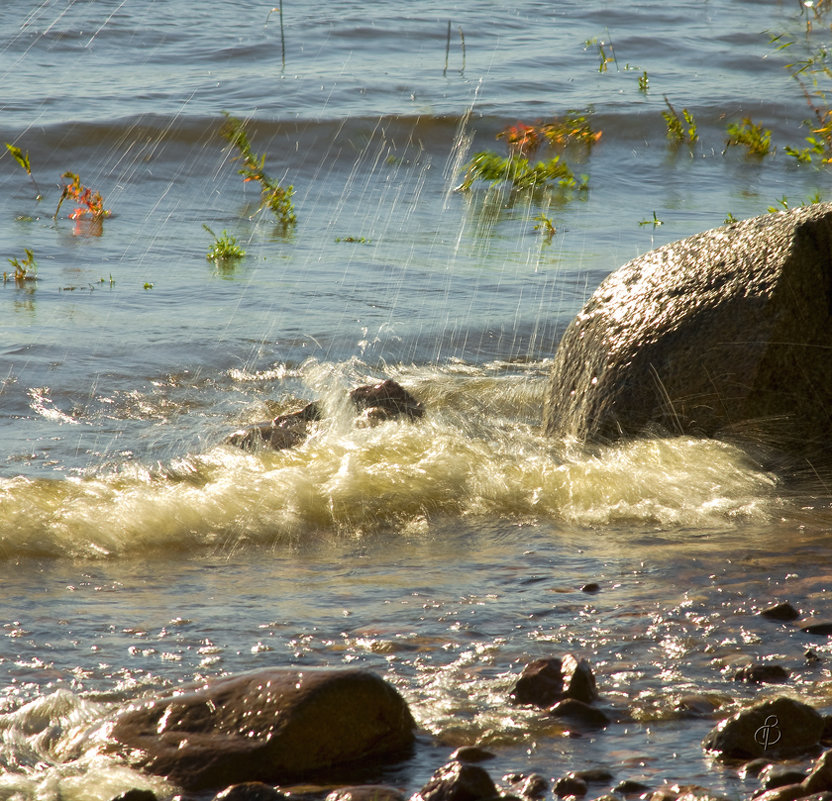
(23, 160)
(751, 136)
(681, 128)
(279, 8)
(448, 48)
(643, 83)
(545, 226)
(277, 198)
(783, 203)
(655, 222)
(729, 218)
(519, 172)
(25, 269)
(575, 127)
(813, 75)
(224, 247)
(605, 60)
(359, 239)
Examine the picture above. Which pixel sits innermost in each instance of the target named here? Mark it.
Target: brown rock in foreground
(724, 333)
(271, 725)
(772, 729)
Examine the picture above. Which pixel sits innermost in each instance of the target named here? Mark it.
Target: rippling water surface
(139, 552)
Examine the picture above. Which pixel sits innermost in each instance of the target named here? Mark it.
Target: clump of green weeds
(23, 160)
(522, 142)
(809, 73)
(604, 59)
(25, 269)
(643, 83)
(519, 172)
(545, 226)
(273, 196)
(751, 136)
(655, 222)
(224, 247)
(681, 128)
(783, 203)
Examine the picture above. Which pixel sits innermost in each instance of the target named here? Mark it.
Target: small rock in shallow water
(762, 674)
(773, 776)
(569, 785)
(579, 713)
(458, 781)
(781, 611)
(772, 729)
(631, 787)
(591, 586)
(545, 681)
(532, 786)
(819, 627)
(788, 792)
(250, 791)
(697, 705)
(366, 792)
(592, 775)
(471, 753)
(820, 776)
(136, 795)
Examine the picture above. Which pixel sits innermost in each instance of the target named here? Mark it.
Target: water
(139, 552)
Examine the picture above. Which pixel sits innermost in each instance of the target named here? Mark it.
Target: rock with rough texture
(374, 403)
(546, 681)
(781, 611)
(773, 729)
(820, 776)
(579, 714)
(272, 725)
(458, 781)
(762, 673)
(724, 333)
(250, 791)
(366, 792)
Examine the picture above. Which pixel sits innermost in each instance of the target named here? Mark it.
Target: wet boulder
(775, 729)
(546, 681)
(366, 792)
(374, 403)
(458, 781)
(723, 333)
(272, 725)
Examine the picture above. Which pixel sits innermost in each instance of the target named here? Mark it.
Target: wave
(477, 455)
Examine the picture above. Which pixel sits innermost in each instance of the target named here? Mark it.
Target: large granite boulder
(272, 725)
(724, 333)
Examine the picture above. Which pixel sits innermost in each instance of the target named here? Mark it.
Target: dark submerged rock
(580, 714)
(726, 332)
(820, 776)
(271, 725)
(458, 781)
(136, 795)
(471, 753)
(546, 681)
(250, 791)
(779, 775)
(781, 611)
(772, 729)
(375, 402)
(762, 674)
(569, 785)
(818, 627)
(366, 792)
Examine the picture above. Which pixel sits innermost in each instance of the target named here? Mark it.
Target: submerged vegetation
(224, 247)
(87, 202)
(752, 136)
(681, 128)
(523, 141)
(23, 160)
(273, 196)
(25, 269)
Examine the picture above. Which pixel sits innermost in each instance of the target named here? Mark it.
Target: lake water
(140, 553)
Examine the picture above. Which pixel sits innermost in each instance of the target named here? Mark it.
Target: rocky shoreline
(255, 736)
